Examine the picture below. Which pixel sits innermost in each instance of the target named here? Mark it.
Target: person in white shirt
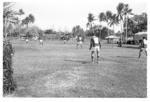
(79, 41)
(27, 40)
(40, 40)
(95, 47)
(142, 46)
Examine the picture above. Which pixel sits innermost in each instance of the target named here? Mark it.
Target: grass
(60, 70)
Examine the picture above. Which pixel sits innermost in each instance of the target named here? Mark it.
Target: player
(95, 47)
(41, 41)
(79, 41)
(143, 46)
(27, 40)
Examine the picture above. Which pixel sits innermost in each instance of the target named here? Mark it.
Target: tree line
(13, 25)
(129, 25)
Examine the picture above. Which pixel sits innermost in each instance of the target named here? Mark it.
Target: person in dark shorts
(27, 40)
(142, 46)
(66, 39)
(95, 47)
(41, 41)
(120, 43)
(79, 41)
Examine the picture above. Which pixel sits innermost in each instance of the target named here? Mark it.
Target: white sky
(64, 14)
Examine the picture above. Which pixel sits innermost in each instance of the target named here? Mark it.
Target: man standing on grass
(95, 47)
(143, 46)
(41, 41)
(27, 40)
(120, 43)
(79, 41)
(65, 38)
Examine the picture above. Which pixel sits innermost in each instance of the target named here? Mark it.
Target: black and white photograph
(74, 49)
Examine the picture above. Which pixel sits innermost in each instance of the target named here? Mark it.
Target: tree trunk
(107, 30)
(122, 29)
(121, 37)
(91, 27)
(27, 26)
(114, 28)
(100, 34)
(126, 30)
(5, 29)
(27, 32)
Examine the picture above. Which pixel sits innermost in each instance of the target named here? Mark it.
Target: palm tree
(18, 28)
(31, 18)
(21, 12)
(120, 8)
(113, 21)
(108, 18)
(9, 16)
(25, 21)
(102, 17)
(98, 28)
(28, 19)
(90, 20)
(123, 12)
(126, 12)
(108, 15)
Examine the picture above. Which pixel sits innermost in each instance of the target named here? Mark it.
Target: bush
(131, 42)
(9, 85)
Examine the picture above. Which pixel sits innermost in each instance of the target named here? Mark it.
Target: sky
(65, 14)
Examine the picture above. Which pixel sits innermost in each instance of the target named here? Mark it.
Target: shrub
(9, 85)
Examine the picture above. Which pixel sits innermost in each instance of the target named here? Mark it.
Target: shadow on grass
(130, 46)
(122, 59)
(131, 57)
(79, 61)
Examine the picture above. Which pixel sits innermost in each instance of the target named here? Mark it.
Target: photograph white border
(12, 99)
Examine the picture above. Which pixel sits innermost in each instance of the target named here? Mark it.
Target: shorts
(95, 49)
(41, 41)
(143, 49)
(79, 43)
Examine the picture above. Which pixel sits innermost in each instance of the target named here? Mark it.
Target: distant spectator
(27, 40)
(120, 43)
(65, 38)
(142, 46)
(79, 41)
(41, 41)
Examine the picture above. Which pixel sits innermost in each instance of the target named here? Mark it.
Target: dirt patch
(59, 82)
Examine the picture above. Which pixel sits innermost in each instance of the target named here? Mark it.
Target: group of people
(95, 45)
(40, 41)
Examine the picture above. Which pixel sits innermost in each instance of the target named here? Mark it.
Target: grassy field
(60, 70)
